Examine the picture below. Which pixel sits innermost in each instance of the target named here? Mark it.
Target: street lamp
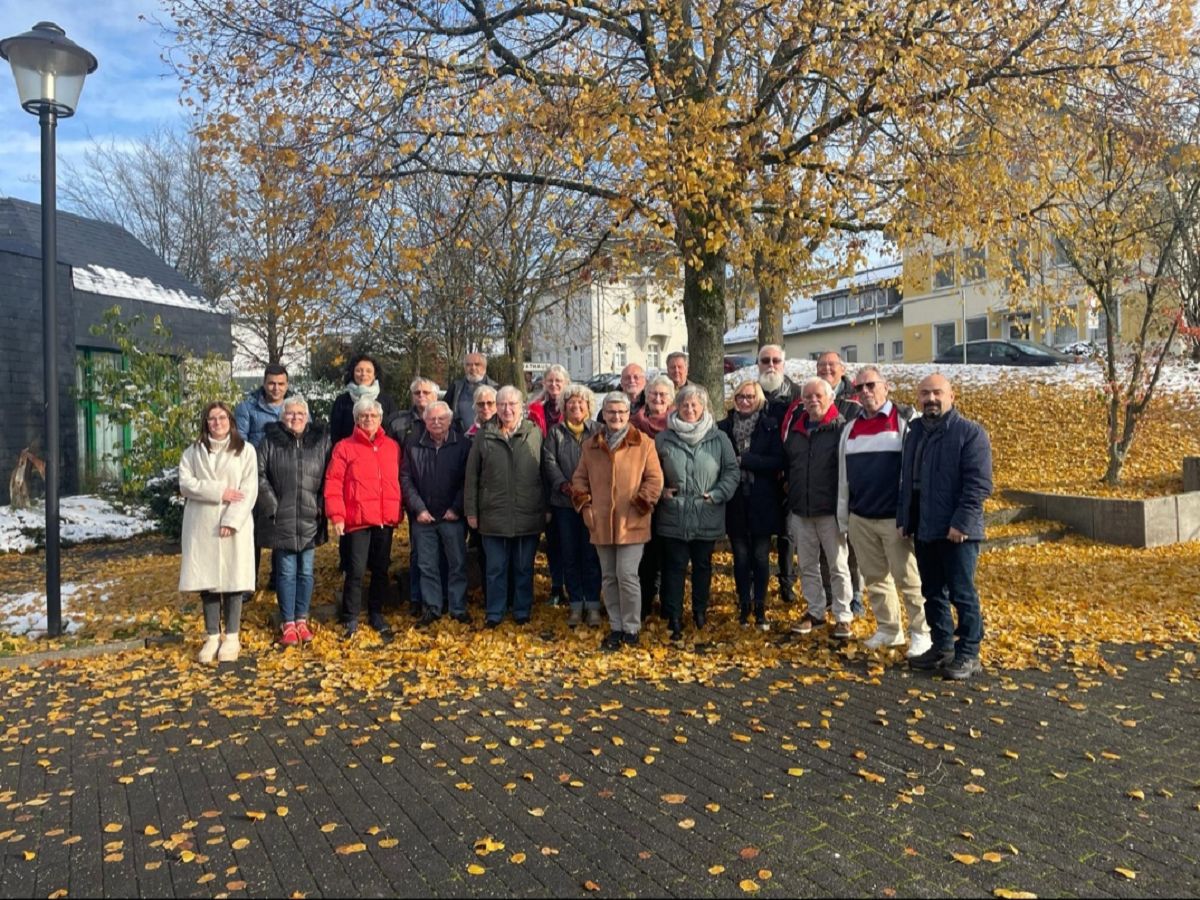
(49, 70)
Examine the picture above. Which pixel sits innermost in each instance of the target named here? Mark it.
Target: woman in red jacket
(362, 500)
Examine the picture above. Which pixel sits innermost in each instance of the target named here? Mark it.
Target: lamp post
(49, 70)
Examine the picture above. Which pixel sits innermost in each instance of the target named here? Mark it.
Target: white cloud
(132, 92)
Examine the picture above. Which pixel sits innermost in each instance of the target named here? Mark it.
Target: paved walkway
(134, 784)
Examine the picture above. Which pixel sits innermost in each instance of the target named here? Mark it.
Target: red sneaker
(302, 631)
(290, 636)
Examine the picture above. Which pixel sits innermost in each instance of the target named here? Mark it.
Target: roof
(105, 258)
(802, 315)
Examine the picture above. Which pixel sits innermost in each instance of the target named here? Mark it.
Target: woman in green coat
(700, 473)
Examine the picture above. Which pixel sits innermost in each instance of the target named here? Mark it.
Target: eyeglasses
(362, 416)
(765, 360)
(748, 398)
(486, 403)
(866, 386)
(218, 418)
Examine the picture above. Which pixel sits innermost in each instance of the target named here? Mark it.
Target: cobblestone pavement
(1048, 782)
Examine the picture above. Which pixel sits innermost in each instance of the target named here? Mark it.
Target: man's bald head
(935, 396)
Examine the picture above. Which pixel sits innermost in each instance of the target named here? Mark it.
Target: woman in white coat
(218, 477)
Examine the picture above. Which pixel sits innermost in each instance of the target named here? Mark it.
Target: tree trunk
(770, 318)
(771, 309)
(704, 312)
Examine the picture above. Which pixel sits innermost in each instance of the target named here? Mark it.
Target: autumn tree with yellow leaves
(291, 232)
(735, 130)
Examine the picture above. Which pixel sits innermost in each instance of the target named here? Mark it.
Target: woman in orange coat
(614, 489)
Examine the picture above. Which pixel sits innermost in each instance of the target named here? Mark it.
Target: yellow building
(954, 293)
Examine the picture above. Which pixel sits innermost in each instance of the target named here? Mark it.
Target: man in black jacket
(780, 391)
(812, 429)
(432, 478)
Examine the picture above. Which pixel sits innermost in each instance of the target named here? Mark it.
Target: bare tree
(162, 193)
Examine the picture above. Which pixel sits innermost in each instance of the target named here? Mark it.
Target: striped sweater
(869, 464)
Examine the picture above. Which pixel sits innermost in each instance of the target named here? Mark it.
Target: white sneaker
(230, 647)
(208, 652)
(918, 644)
(883, 639)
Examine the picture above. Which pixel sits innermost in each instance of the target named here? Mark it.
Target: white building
(860, 317)
(607, 324)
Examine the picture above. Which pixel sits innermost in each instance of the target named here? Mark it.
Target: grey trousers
(230, 605)
(622, 589)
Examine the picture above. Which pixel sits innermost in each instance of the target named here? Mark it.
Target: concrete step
(1008, 515)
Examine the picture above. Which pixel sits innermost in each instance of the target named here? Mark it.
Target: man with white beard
(780, 391)
(461, 396)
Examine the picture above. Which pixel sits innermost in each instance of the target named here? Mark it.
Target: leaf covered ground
(1040, 601)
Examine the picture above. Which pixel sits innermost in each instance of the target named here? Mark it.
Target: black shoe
(699, 618)
(348, 631)
(555, 598)
(415, 608)
(961, 668)
(524, 620)
(614, 641)
(379, 623)
(632, 639)
(463, 617)
(492, 623)
(428, 617)
(932, 660)
(676, 630)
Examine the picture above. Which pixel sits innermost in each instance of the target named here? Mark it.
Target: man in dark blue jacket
(261, 409)
(945, 475)
(432, 479)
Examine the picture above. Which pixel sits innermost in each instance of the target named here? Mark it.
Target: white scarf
(691, 433)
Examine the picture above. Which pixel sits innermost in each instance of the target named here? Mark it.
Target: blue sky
(129, 95)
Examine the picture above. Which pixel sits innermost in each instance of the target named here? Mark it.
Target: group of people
(632, 491)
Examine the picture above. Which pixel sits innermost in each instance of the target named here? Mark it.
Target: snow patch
(81, 518)
(25, 614)
(115, 283)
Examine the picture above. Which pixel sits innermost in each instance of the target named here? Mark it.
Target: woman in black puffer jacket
(290, 515)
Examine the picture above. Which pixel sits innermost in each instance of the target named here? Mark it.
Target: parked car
(737, 361)
(1013, 352)
(605, 382)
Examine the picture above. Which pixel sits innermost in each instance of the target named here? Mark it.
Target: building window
(974, 264)
(977, 328)
(943, 270)
(867, 301)
(825, 309)
(880, 349)
(943, 337)
(815, 355)
(653, 355)
(850, 353)
(619, 357)
(839, 305)
(852, 304)
(897, 351)
(1058, 253)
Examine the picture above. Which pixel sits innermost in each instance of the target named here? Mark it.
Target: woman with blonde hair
(755, 511)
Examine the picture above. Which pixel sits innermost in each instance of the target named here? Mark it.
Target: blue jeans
(416, 590)
(581, 565)
(503, 554)
(293, 582)
(442, 545)
(948, 580)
